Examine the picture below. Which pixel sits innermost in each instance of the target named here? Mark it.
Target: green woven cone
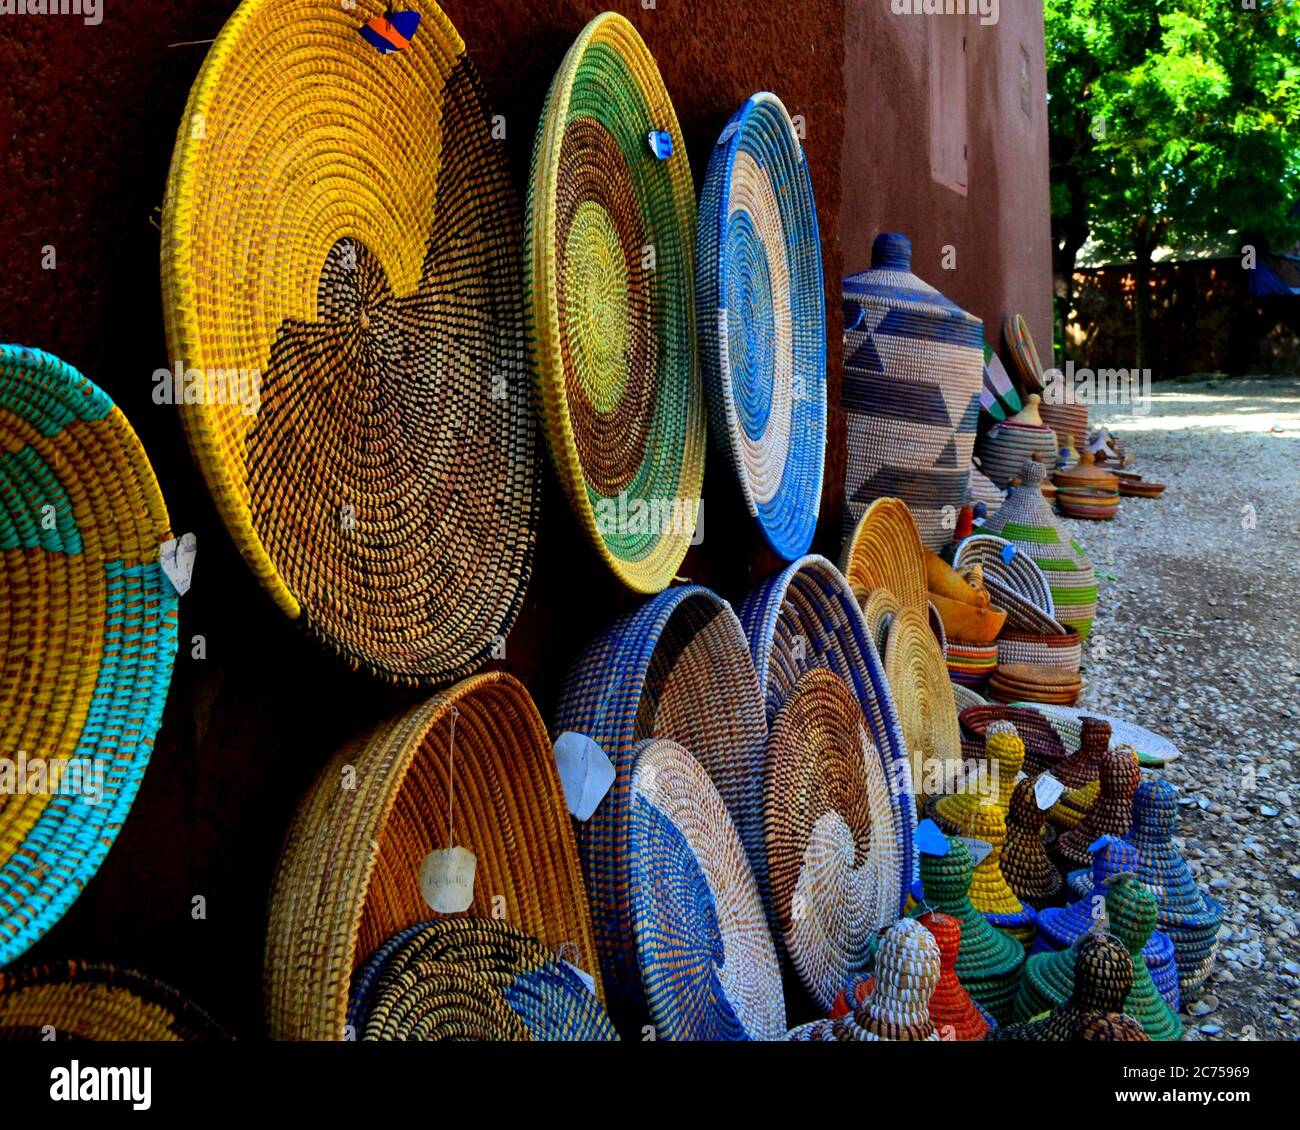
(1049, 977)
(989, 963)
(1027, 521)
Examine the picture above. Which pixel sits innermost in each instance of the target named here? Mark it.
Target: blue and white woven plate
(762, 320)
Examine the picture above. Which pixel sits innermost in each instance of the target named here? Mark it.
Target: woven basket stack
(471, 768)
(1062, 926)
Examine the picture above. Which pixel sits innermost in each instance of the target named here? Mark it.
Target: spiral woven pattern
(807, 617)
(706, 955)
(341, 259)
(472, 979)
(349, 873)
(762, 319)
(834, 856)
(74, 1000)
(610, 275)
(927, 712)
(885, 552)
(678, 667)
(87, 634)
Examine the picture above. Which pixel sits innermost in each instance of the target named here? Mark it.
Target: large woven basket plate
(349, 874)
(806, 617)
(340, 228)
(707, 960)
(87, 634)
(762, 316)
(80, 1001)
(885, 552)
(678, 667)
(610, 250)
(835, 853)
(927, 711)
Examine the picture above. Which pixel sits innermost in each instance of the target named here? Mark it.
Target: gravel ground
(1196, 639)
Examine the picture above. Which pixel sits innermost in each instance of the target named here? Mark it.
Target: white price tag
(980, 850)
(1047, 791)
(586, 978)
(586, 773)
(177, 558)
(447, 879)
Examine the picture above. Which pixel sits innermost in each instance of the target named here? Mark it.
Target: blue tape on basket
(1009, 554)
(661, 143)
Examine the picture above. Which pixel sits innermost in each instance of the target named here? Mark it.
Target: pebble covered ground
(1196, 638)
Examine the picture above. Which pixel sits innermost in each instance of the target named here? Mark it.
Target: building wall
(1001, 230)
(87, 120)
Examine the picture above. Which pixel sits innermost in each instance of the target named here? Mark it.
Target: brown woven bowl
(349, 875)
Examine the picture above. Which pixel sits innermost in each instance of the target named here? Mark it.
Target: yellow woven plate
(885, 551)
(341, 261)
(927, 711)
(610, 252)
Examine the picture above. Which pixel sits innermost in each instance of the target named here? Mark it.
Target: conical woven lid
(954, 1013)
(1159, 864)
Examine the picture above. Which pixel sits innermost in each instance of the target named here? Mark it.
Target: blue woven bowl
(759, 296)
(678, 667)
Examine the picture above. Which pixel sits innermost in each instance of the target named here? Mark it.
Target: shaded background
(88, 116)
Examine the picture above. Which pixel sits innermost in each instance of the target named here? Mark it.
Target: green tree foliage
(1173, 122)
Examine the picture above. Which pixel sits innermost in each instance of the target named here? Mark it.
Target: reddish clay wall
(1001, 229)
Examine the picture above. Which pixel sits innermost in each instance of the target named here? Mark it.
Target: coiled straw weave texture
(610, 273)
(87, 634)
(349, 874)
(341, 259)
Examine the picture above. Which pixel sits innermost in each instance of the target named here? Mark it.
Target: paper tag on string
(728, 132)
(1047, 791)
(447, 879)
(586, 773)
(177, 559)
(980, 850)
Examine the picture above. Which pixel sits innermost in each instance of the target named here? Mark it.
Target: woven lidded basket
(74, 1000)
(610, 276)
(913, 370)
(807, 617)
(349, 873)
(835, 863)
(341, 261)
(679, 668)
(462, 978)
(708, 964)
(87, 634)
(762, 319)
